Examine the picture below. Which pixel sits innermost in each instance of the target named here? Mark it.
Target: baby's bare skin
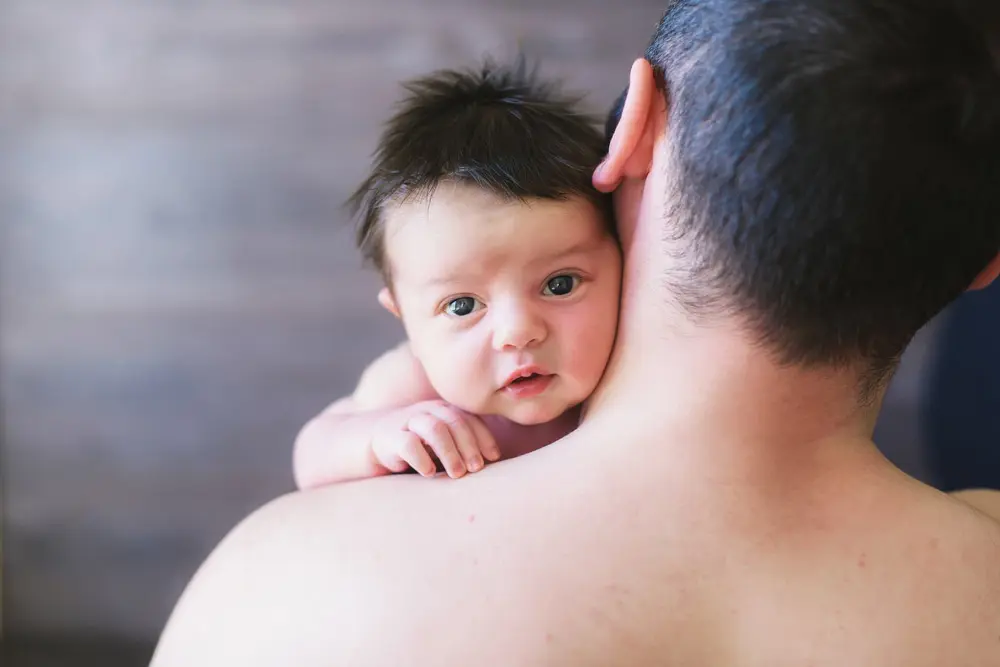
(357, 437)
(510, 309)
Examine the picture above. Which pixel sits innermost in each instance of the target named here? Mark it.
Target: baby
(502, 263)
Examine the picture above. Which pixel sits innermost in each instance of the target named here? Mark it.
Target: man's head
(498, 255)
(831, 168)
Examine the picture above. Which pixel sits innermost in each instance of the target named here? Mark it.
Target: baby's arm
(386, 426)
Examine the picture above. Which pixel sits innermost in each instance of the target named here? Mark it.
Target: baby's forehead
(460, 228)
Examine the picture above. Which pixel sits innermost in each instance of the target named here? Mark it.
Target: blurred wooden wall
(179, 289)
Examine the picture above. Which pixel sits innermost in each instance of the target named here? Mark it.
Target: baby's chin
(535, 415)
(525, 412)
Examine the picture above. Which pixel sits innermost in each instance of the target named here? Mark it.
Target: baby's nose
(517, 328)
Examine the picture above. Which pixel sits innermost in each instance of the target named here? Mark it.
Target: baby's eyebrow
(578, 248)
(450, 278)
(472, 275)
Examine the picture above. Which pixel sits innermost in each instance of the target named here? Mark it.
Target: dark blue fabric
(962, 415)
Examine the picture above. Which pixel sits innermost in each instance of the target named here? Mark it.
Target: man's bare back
(858, 565)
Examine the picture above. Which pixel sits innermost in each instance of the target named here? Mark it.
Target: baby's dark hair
(836, 166)
(499, 128)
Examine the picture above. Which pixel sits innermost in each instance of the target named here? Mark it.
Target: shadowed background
(180, 291)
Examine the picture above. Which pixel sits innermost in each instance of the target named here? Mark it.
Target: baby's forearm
(336, 447)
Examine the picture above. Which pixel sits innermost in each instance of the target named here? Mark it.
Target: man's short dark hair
(837, 166)
(500, 128)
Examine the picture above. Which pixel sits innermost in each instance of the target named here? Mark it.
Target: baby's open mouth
(528, 386)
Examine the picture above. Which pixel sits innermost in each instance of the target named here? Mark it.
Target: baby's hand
(459, 440)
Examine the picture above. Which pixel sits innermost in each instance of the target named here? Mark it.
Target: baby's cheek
(446, 381)
(454, 380)
(596, 339)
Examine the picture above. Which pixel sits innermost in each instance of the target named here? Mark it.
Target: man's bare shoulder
(972, 516)
(986, 501)
(353, 557)
(954, 545)
(269, 579)
(957, 519)
(317, 578)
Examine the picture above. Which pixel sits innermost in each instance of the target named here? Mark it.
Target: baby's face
(511, 307)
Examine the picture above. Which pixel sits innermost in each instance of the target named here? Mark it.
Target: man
(801, 185)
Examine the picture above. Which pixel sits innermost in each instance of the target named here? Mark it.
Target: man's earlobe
(987, 275)
(388, 301)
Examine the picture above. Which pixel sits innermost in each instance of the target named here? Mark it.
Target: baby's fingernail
(475, 465)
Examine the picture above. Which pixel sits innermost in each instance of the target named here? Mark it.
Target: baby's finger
(386, 449)
(411, 450)
(484, 438)
(464, 436)
(436, 435)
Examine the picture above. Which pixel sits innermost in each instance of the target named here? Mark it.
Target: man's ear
(987, 275)
(388, 301)
(631, 152)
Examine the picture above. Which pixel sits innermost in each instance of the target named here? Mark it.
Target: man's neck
(712, 397)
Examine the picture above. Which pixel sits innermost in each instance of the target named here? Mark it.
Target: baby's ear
(388, 301)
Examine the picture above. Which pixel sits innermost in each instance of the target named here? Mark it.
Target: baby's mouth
(524, 378)
(528, 386)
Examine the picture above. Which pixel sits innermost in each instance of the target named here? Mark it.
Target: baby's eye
(462, 306)
(560, 285)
